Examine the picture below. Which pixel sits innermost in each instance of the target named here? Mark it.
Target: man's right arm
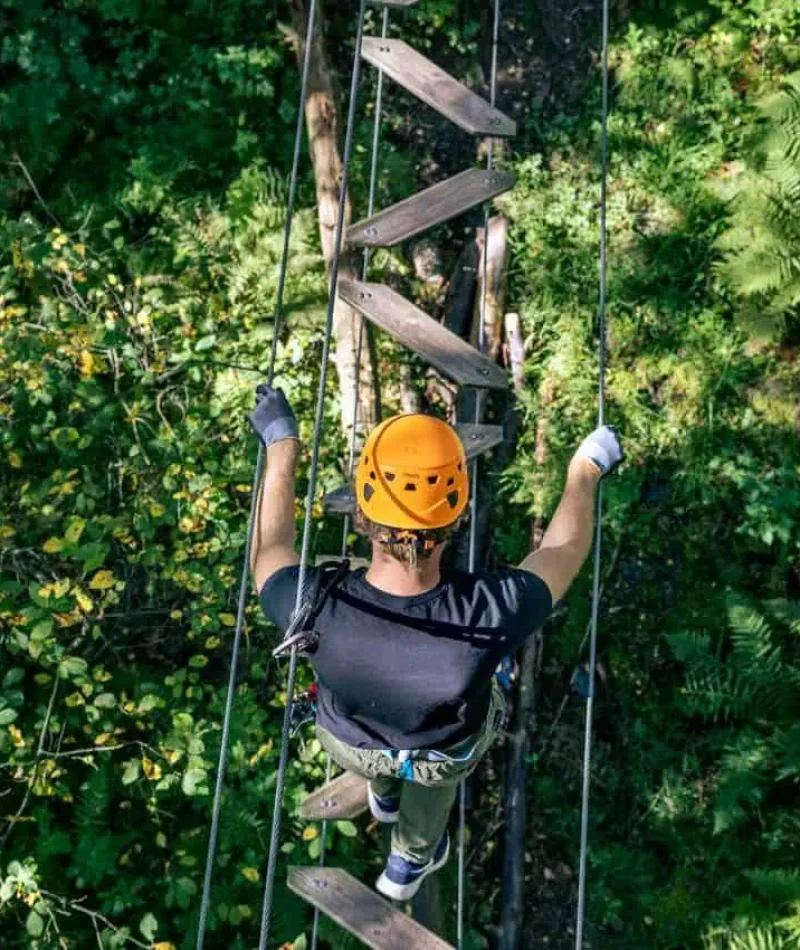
(568, 540)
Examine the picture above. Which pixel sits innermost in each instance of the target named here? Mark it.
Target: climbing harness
(598, 536)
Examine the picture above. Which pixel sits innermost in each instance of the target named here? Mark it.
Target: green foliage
(762, 247)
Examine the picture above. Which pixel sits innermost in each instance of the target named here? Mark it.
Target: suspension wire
(373, 178)
(269, 887)
(346, 530)
(244, 583)
(473, 530)
(601, 414)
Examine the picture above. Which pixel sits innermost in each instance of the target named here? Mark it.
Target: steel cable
(473, 531)
(601, 414)
(371, 207)
(244, 583)
(269, 886)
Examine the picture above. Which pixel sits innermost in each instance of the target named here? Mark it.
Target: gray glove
(273, 419)
(603, 448)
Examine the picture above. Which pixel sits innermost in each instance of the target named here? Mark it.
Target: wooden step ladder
(353, 905)
(430, 207)
(360, 910)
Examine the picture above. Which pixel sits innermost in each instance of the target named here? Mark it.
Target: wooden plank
(395, 3)
(361, 911)
(430, 207)
(436, 88)
(355, 562)
(341, 500)
(423, 335)
(478, 439)
(344, 797)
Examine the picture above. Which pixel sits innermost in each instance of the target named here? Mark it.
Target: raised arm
(274, 533)
(568, 539)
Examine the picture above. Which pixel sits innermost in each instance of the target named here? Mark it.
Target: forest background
(144, 155)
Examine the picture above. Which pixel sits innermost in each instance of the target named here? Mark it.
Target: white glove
(603, 448)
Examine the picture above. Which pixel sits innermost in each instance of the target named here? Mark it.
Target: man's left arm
(274, 531)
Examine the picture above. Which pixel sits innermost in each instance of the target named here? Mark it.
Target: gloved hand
(602, 447)
(273, 419)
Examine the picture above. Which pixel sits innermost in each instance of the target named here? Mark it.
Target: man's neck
(392, 577)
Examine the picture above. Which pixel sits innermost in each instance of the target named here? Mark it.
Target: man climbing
(407, 650)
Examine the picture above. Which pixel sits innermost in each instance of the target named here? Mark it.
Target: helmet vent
(460, 466)
(450, 481)
(410, 486)
(433, 479)
(372, 476)
(369, 491)
(452, 499)
(390, 476)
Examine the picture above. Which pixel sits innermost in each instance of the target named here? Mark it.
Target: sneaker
(386, 810)
(401, 879)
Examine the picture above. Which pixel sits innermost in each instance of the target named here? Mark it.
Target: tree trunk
(322, 123)
(497, 259)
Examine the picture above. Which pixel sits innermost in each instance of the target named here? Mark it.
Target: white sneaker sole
(385, 817)
(404, 892)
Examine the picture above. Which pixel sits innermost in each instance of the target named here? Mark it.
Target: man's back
(412, 672)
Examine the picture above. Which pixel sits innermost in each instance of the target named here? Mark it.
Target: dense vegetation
(145, 149)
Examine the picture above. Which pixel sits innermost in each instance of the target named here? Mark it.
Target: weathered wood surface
(436, 88)
(478, 439)
(423, 335)
(341, 500)
(515, 350)
(344, 797)
(435, 205)
(361, 911)
(355, 562)
(490, 296)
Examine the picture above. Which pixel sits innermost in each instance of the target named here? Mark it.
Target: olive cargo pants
(425, 801)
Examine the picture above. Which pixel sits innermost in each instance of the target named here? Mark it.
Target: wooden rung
(355, 562)
(422, 334)
(437, 204)
(341, 500)
(436, 88)
(478, 439)
(361, 911)
(344, 797)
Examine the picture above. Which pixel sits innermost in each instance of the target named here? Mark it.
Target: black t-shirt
(412, 672)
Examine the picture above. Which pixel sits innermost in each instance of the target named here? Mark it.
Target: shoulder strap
(300, 633)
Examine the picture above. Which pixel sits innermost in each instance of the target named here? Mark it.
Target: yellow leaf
(157, 509)
(251, 874)
(14, 460)
(228, 620)
(172, 755)
(175, 615)
(75, 699)
(83, 600)
(86, 363)
(16, 737)
(102, 580)
(310, 832)
(163, 945)
(152, 770)
(6, 531)
(212, 642)
(161, 839)
(52, 545)
(103, 738)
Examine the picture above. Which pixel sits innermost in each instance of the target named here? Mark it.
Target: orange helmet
(412, 474)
